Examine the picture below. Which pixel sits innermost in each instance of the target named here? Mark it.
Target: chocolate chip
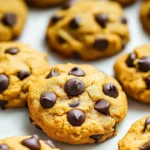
(74, 87)
(50, 143)
(146, 146)
(96, 137)
(102, 106)
(55, 19)
(9, 19)
(53, 73)
(22, 74)
(3, 103)
(4, 147)
(147, 81)
(76, 71)
(76, 117)
(67, 5)
(74, 104)
(75, 23)
(110, 90)
(4, 82)
(101, 19)
(130, 60)
(76, 55)
(144, 64)
(123, 20)
(101, 44)
(48, 99)
(61, 40)
(12, 51)
(147, 122)
(31, 120)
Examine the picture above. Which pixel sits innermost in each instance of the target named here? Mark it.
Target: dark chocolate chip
(76, 117)
(147, 80)
(4, 82)
(3, 103)
(9, 19)
(4, 147)
(75, 23)
(74, 87)
(130, 60)
(53, 73)
(12, 50)
(123, 20)
(76, 71)
(50, 143)
(76, 55)
(22, 74)
(75, 103)
(61, 40)
(55, 19)
(102, 19)
(48, 99)
(102, 106)
(96, 137)
(67, 4)
(32, 143)
(144, 64)
(110, 90)
(146, 146)
(101, 44)
(147, 122)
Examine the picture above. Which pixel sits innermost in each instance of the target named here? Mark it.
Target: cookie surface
(138, 137)
(133, 71)
(85, 104)
(125, 2)
(13, 15)
(88, 30)
(26, 143)
(19, 65)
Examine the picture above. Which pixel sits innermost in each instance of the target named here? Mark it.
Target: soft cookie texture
(138, 137)
(13, 14)
(19, 66)
(88, 30)
(26, 143)
(77, 104)
(133, 71)
(125, 2)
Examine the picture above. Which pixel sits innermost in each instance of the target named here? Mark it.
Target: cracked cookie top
(77, 104)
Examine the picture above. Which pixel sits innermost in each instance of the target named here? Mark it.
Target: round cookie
(77, 104)
(88, 30)
(26, 143)
(138, 137)
(133, 71)
(19, 65)
(125, 2)
(13, 14)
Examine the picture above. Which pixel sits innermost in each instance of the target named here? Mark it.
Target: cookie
(26, 143)
(77, 104)
(133, 71)
(138, 137)
(145, 15)
(19, 66)
(88, 30)
(126, 2)
(13, 14)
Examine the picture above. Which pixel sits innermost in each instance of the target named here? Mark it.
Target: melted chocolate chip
(32, 143)
(75, 23)
(144, 64)
(102, 19)
(12, 51)
(123, 20)
(102, 106)
(146, 146)
(76, 71)
(130, 59)
(147, 81)
(3, 103)
(22, 74)
(74, 87)
(4, 147)
(53, 73)
(110, 90)
(75, 103)
(76, 117)
(147, 122)
(76, 55)
(4, 82)
(9, 19)
(48, 99)
(101, 44)
(50, 143)
(96, 137)
(55, 19)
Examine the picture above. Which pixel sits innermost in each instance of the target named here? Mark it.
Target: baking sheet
(15, 122)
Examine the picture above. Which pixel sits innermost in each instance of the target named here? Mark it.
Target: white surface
(15, 121)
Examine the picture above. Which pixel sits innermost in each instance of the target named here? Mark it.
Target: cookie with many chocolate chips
(138, 136)
(19, 66)
(13, 14)
(133, 71)
(88, 30)
(125, 2)
(26, 143)
(77, 104)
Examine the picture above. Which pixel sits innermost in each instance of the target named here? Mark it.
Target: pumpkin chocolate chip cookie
(77, 104)
(88, 30)
(19, 65)
(138, 137)
(133, 71)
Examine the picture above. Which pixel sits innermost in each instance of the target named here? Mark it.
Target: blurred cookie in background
(125, 2)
